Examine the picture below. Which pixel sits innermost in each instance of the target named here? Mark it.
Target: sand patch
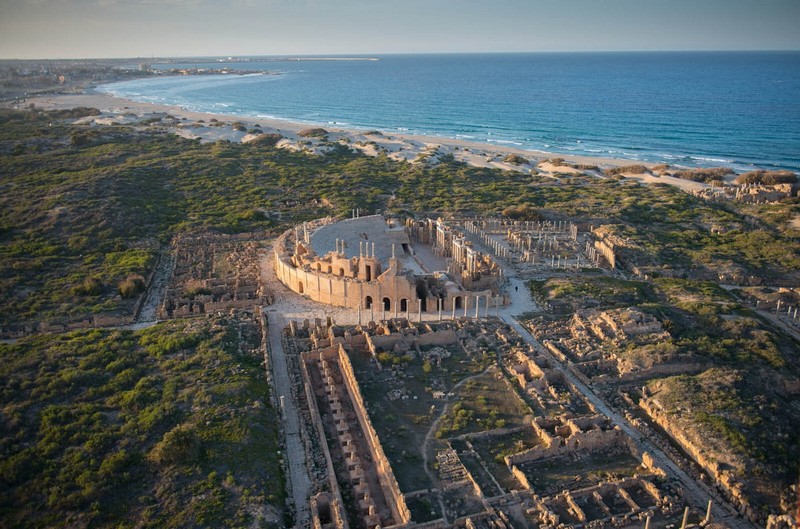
(552, 168)
(209, 127)
(685, 185)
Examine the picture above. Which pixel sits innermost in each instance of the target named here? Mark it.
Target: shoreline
(399, 146)
(432, 138)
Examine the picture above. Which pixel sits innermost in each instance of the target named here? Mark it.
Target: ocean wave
(721, 131)
(505, 142)
(715, 160)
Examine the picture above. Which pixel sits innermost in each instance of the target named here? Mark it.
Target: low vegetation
(767, 178)
(738, 416)
(569, 294)
(167, 427)
(710, 174)
(516, 159)
(313, 133)
(627, 169)
(737, 404)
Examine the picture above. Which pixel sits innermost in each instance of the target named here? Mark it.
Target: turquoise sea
(739, 109)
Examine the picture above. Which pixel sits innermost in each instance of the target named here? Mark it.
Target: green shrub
(632, 169)
(131, 286)
(91, 286)
(178, 446)
(516, 159)
(767, 178)
(313, 133)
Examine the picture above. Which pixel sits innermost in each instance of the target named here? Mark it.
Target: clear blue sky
(144, 28)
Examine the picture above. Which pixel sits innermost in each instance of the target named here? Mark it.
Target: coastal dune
(211, 127)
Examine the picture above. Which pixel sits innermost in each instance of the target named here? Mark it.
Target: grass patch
(167, 427)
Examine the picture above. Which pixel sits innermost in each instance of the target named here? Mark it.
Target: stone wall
(724, 477)
(334, 497)
(211, 273)
(389, 483)
(392, 287)
(592, 440)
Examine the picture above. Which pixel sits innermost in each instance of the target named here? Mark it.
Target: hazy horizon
(368, 55)
(100, 29)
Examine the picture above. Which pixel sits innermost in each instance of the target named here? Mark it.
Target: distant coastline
(415, 149)
(738, 110)
(691, 109)
(283, 58)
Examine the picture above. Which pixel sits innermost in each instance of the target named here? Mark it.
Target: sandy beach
(208, 127)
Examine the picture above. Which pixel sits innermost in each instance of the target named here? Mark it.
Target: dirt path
(158, 287)
(429, 435)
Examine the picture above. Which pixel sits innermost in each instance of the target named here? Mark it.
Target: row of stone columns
(439, 309)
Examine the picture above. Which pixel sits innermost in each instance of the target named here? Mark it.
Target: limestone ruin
(356, 483)
(370, 264)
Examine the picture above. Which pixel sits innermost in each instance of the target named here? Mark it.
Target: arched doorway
(300, 287)
(457, 301)
(387, 304)
(368, 302)
(403, 305)
(422, 294)
(341, 272)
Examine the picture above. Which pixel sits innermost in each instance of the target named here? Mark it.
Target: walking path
(158, 287)
(295, 446)
(289, 306)
(698, 495)
(433, 428)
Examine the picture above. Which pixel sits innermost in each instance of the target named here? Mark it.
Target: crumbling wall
(441, 337)
(391, 488)
(592, 440)
(213, 273)
(724, 477)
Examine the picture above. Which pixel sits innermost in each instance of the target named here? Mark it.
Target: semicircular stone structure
(371, 263)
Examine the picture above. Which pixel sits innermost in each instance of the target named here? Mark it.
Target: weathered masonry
(369, 263)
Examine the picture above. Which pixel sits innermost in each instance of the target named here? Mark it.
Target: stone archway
(404, 305)
(387, 304)
(368, 302)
